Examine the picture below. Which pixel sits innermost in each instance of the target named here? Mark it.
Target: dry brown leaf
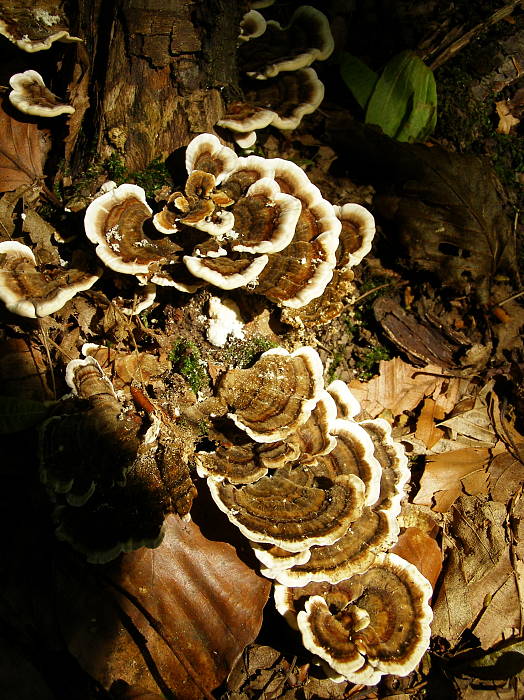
(420, 549)
(398, 387)
(20, 154)
(208, 604)
(506, 119)
(475, 568)
(502, 616)
(473, 427)
(426, 429)
(124, 367)
(23, 371)
(443, 479)
(41, 234)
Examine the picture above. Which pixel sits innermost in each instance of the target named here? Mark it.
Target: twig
(375, 289)
(455, 46)
(44, 337)
(508, 299)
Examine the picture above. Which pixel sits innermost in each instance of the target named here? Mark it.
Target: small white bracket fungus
(205, 152)
(358, 226)
(252, 25)
(30, 95)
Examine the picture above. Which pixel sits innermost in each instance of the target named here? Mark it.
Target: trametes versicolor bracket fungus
(112, 476)
(34, 28)
(318, 494)
(241, 222)
(33, 290)
(280, 87)
(30, 95)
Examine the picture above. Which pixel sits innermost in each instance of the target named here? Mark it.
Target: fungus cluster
(250, 222)
(317, 493)
(279, 85)
(113, 480)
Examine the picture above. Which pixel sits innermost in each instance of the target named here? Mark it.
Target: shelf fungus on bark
(289, 510)
(32, 290)
(319, 501)
(30, 95)
(278, 84)
(252, 25)
(33, 28)
(305, 39)
(248, 222)
(374, 623)
(112, 479)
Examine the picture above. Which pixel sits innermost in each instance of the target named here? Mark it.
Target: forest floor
(425, 343)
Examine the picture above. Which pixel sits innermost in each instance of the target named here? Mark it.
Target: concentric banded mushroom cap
(205, 152)
(225, 273)
(356, 237)
(287, 510)
(307, 38)
(274, 397)
(391, 634)
(29, 291)
(265, 219)
(30, 95)
(34, 28)
(115, 222)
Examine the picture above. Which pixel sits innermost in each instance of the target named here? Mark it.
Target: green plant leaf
(18, 414)
(404, 100)
(359, 78)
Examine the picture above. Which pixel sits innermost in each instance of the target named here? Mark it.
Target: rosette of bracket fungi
(355, 239)
(264, 221)
(377, 529)
(30, 95)
(240, 460)
(113, 481)
(374, 623)
(281, 102)
(34, 28)
(290, 508)
(196, 207)
(119, 223)
(32, 290)
(276, 395)
(300, 272)
(278, 57)
(305, 39)
(373, 533)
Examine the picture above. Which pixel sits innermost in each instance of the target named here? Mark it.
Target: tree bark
(157, 69)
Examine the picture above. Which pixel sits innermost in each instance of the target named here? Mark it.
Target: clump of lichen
(243, 353)
(187, 361)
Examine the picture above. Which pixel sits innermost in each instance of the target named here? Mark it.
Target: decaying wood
(158, 68)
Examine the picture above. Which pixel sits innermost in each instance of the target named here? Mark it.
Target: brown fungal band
(374, 623)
